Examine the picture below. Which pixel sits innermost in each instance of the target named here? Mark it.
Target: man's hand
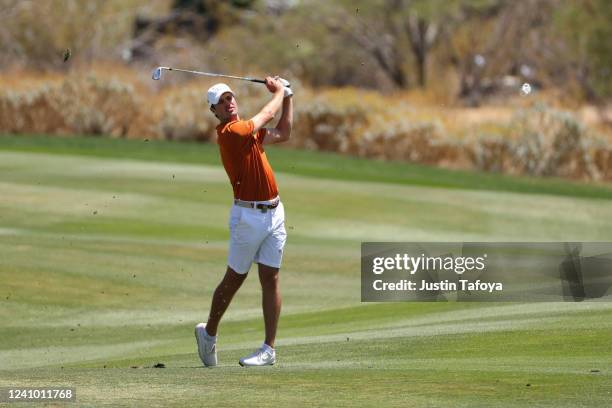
(274, 85)
(287, 88)
(272, 107)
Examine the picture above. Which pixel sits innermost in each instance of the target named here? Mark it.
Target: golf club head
(157, 73)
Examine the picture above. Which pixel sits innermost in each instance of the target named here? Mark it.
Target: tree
(397, 33)
(199, 19)
(379, 29)
(586, 29)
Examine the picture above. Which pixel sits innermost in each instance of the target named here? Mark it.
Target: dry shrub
(81, 105)
(183, 118)
(601, 153)
(362, 123)
(320, 125)
(540, 141)
(419, 142)
(552, 143)
(537, 141)
(34, 111)
(491, 153)
(94, 106)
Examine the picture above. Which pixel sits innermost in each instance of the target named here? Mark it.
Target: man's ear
(212, 109)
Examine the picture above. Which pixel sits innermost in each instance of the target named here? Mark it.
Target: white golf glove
(286, 89)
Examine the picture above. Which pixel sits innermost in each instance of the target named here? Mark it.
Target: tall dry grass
(529, 139)
(75, 105)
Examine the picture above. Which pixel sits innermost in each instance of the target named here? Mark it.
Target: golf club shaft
(261, 81)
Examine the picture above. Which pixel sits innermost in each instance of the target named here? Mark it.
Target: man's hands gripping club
(276, 86)
(272, 84)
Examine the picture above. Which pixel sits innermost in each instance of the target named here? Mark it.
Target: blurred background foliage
(431, 81)
(379, 44)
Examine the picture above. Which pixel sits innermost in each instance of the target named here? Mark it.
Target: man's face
(227, 108)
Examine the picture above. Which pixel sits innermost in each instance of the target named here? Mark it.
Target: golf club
(157, 74)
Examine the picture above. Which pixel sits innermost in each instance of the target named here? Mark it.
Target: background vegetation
(433, 82)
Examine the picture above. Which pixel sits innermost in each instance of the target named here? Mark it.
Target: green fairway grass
(110, 251)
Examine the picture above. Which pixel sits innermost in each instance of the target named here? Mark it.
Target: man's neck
(232, 118)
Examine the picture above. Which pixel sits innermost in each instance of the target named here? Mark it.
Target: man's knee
(268, 276)
(232, 278)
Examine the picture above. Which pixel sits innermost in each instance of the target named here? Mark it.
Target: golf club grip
(263, 81)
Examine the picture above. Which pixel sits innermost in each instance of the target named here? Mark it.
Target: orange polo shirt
(245, 161)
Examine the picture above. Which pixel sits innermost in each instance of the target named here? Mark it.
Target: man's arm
(282, 131)
(269, 111)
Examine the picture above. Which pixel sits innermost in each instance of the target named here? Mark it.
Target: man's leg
(222, 297)
(270, 300)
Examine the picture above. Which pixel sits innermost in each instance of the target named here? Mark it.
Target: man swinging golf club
(257, 218)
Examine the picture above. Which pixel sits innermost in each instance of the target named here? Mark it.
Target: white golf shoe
(263, 356)
(207, 345)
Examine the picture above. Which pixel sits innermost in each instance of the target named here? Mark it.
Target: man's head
(222, 103)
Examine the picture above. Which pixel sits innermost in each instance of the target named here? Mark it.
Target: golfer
(257, 218)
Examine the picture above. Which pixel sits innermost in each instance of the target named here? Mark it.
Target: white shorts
(256, 236)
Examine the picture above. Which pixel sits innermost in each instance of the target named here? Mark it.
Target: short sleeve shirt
(245, 161)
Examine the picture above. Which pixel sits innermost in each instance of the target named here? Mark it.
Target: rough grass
(108, 262)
